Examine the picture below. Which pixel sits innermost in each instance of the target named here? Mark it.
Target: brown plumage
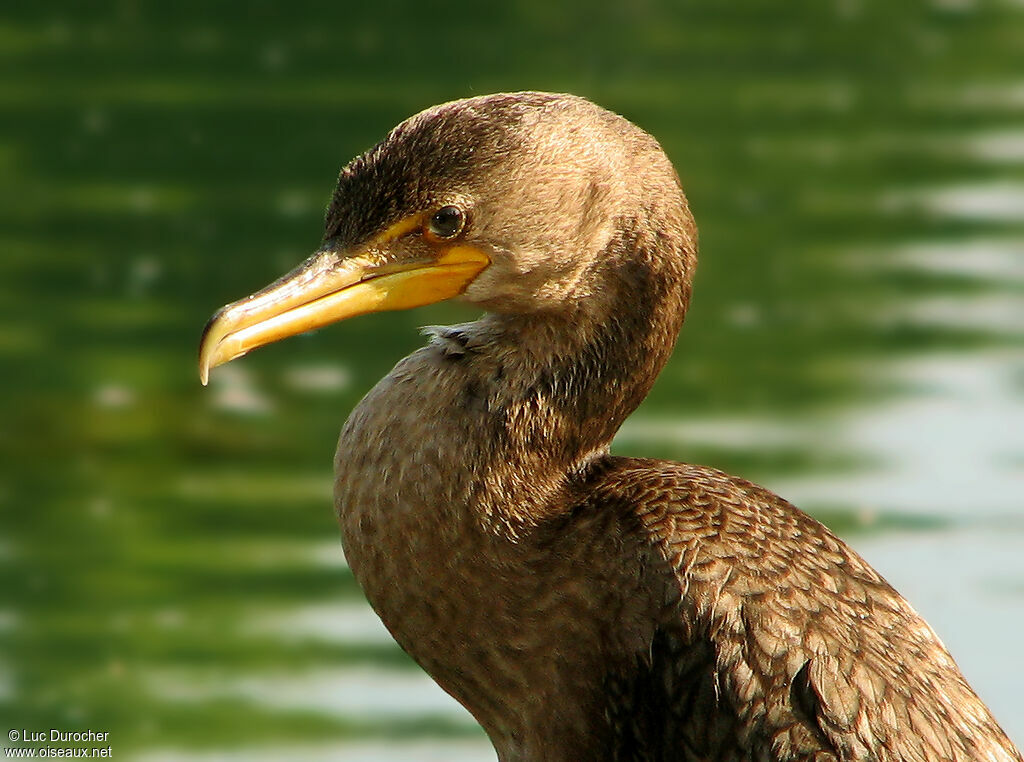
(580, 605)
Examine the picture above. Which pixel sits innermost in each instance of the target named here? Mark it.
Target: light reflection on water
(359, 693)
(954, 450)
(988, 202)
(348, 623)
(360, 751)
(985, 260)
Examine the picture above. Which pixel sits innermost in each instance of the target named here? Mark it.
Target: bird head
(511, 202)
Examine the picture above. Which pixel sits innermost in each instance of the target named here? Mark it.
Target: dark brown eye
(446, 222)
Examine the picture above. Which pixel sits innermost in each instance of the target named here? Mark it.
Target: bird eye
(446, 222)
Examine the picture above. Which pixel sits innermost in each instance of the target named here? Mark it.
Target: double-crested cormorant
(583, 606)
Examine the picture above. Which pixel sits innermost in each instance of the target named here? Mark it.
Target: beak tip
(204, 360)
(213, 332)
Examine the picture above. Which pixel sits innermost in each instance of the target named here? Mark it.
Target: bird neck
(452, 472)
(525, 399)
(558, 385)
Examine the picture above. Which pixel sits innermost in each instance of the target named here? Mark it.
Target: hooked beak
(329, 287)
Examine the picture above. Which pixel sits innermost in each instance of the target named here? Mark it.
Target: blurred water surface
(170, 565)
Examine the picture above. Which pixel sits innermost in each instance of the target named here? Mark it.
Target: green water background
(170, 566)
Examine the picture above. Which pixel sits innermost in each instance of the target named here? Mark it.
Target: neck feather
(452, 470)
(559, 385)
